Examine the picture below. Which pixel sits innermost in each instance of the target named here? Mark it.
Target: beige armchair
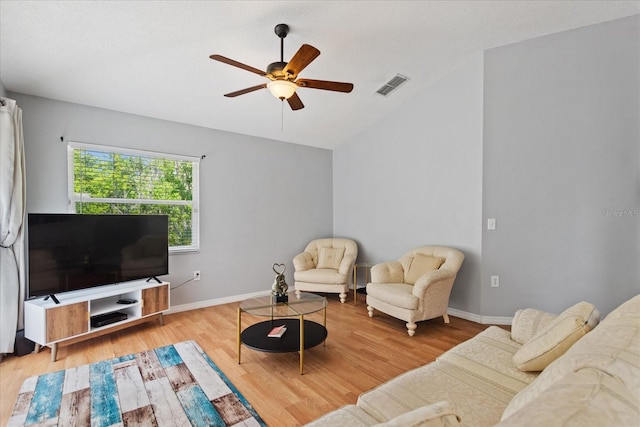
(417, 286)
(326, 265)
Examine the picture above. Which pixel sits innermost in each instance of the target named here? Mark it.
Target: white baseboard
(215, 301)
(484, 320)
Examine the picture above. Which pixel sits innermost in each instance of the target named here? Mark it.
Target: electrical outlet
(491, 223)
(196, 275)
(495, 281)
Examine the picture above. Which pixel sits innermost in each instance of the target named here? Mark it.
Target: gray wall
(256, 206)
(542, 135)
(415, 179)
(561, 170)
(545, 138)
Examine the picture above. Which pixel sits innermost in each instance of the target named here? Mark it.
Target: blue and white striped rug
(176, 385)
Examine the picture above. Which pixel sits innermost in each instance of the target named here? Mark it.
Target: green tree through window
(120, 181)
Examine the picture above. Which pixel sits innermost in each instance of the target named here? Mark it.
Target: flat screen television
(67, 252)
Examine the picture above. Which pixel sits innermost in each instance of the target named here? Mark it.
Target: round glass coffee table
(301, 334)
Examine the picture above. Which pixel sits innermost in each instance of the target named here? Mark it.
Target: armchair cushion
(330, 257)
(421, 264)
(327, 276)
(396, 294)
(561, 333)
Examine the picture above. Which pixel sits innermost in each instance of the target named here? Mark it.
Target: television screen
(68, 252)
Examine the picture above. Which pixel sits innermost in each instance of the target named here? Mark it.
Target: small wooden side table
(367, 272)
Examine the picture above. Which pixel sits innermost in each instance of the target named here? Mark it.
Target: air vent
(393, 84)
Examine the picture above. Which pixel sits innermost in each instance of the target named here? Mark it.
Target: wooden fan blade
(247, 90)
(301, 59)
(325, 85)
(237, 64)
(295, 103)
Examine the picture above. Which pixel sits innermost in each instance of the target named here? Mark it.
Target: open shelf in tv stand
(48, 323)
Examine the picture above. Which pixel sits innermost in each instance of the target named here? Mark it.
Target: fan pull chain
(282, 116)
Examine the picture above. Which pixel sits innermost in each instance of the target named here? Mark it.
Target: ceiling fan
(283, 76)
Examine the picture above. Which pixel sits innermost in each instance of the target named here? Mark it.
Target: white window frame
(195, 191)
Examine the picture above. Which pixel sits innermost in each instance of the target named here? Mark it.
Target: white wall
(416, 179)
(562, 171)
(256, 206)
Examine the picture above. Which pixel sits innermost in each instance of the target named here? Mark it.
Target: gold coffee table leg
(239, 332)
(324, 323)
(301, 344)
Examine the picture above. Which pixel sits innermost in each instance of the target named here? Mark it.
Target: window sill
(180, 250)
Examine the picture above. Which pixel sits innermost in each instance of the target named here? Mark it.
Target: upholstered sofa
(547, 371)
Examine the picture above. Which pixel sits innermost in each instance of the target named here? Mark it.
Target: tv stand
(53, 297)
(154, 278)
(67, 318)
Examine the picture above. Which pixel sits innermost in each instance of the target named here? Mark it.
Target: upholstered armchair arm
(347, 263)
(387, 272)
(303, 262)
(430, 278)
(433, 290)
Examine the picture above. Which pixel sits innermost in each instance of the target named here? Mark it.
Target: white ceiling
(152, 57)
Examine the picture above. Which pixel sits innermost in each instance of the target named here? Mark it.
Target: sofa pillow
(421, 264)
(560, 334)
(440, 414)
(330, 257)
(612, 347)
(527, 322)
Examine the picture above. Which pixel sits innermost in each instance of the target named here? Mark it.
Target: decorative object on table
(148, 386)
(279, 287)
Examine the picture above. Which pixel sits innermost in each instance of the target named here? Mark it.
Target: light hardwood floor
(359, 354)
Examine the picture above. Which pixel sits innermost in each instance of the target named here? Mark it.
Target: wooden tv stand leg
(54, 351)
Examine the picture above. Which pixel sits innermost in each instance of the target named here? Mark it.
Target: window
(121, 181)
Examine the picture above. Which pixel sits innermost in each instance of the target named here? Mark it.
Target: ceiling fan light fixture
(283, 76)
(282, 89)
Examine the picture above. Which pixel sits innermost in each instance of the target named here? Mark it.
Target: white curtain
(12, 208)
